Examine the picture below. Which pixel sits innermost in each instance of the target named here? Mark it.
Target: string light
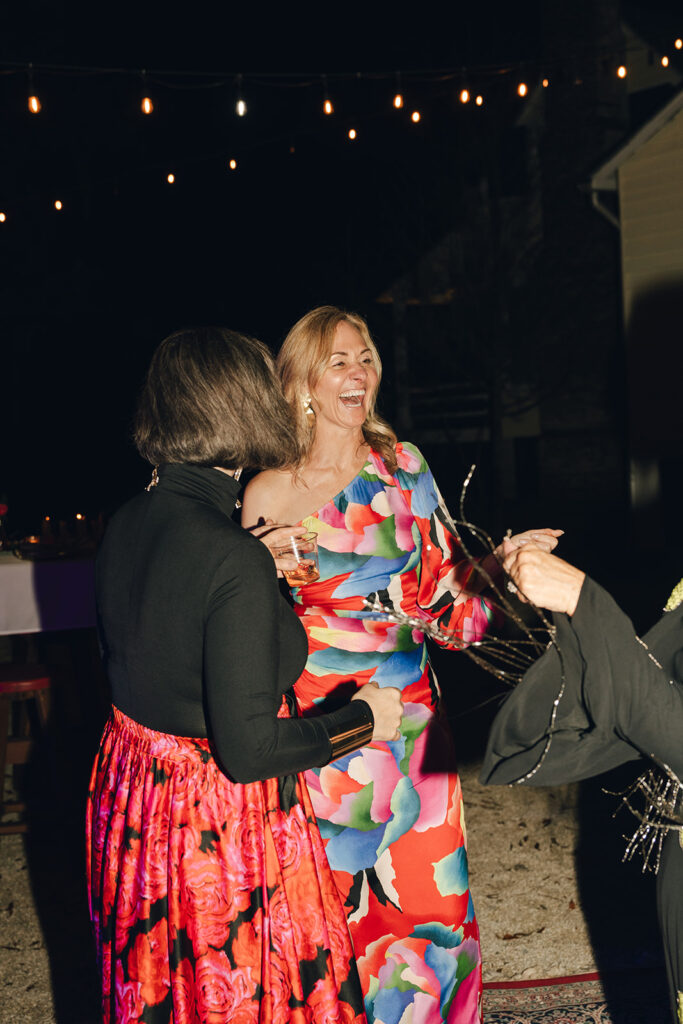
(522, 89)
(621, 71)
(479, 101)
(58, 204)
(545, 83)
(146, 105)
(464, 96)
(34, 104)
(679, 44)
(352, 133)
(665, 62)
(3, 217)
(398, 95)
(327, 103)
(232, 164)
(170, 178)
(415, 116)
(240, 106)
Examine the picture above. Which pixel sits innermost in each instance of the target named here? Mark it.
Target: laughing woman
(391, 816)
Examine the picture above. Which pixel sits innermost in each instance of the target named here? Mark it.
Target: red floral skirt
(211, 902)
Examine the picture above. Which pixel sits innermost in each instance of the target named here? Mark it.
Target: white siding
(651, 207)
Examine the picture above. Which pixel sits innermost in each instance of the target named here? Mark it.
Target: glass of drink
(305, 550)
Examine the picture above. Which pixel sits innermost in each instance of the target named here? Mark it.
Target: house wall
(651, 202)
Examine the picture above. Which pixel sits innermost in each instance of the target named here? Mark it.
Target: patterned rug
(629, 997)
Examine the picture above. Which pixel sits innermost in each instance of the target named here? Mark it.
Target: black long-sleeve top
(618, 704)
(197, 639)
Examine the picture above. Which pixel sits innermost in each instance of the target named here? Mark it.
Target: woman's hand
(387, 709)
(542, 578)
(277, 536)
(545, 539)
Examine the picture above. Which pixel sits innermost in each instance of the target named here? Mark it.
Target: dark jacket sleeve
(241, 672)
(617, 706)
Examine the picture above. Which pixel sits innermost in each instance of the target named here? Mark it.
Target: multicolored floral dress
(391, 814)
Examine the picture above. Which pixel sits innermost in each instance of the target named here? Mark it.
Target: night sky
(308, 217)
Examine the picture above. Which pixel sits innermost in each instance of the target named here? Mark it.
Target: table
(38, 597)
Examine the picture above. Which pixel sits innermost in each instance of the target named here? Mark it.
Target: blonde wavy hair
(301, 363)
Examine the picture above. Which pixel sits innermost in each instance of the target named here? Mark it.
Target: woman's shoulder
(409, 458)
(265, 495)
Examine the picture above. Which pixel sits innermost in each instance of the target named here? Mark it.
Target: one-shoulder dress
(391, 814)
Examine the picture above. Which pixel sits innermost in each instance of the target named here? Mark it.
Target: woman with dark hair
(392, 817)
(209, 891)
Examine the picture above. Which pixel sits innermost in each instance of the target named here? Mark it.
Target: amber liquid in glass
(305, 572)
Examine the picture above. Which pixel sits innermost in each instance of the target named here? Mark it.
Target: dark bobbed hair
(211, 397)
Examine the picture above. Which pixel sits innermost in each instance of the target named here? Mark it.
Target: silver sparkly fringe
(506, 660)
(660, 790)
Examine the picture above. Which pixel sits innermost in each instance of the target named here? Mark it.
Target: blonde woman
(391, 816)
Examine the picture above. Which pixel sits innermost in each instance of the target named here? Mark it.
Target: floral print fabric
(391, 814)
(211, 902)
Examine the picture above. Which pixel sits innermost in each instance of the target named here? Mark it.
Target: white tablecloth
(40, 596)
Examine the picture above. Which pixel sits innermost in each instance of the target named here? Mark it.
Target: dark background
(468, 241)
(309, 217)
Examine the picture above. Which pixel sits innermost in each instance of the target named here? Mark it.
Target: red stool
(22, 685)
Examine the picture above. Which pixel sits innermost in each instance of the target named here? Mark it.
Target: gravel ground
(551, 893)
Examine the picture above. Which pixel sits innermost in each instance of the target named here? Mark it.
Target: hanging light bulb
(545, 83)
(33, 103)
(3, 217)
(170, 178)
(415, 116)
(328, 108)
(146, 104)
(665, 62)
(522, 89)
(464, 96)
(232, 164)
(240, 105)
(479, 101)
(398, 95)
(352, 133)
(679, 44)
(621, 71)
(58, 204)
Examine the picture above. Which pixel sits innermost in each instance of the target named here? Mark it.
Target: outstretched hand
(545, 539)
(542, 578)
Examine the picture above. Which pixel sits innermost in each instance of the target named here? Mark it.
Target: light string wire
(472, 75)
(308, 77)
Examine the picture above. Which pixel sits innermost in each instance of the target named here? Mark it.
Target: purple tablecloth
(36, 597)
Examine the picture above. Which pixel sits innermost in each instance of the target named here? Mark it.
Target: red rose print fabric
(211, 902)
